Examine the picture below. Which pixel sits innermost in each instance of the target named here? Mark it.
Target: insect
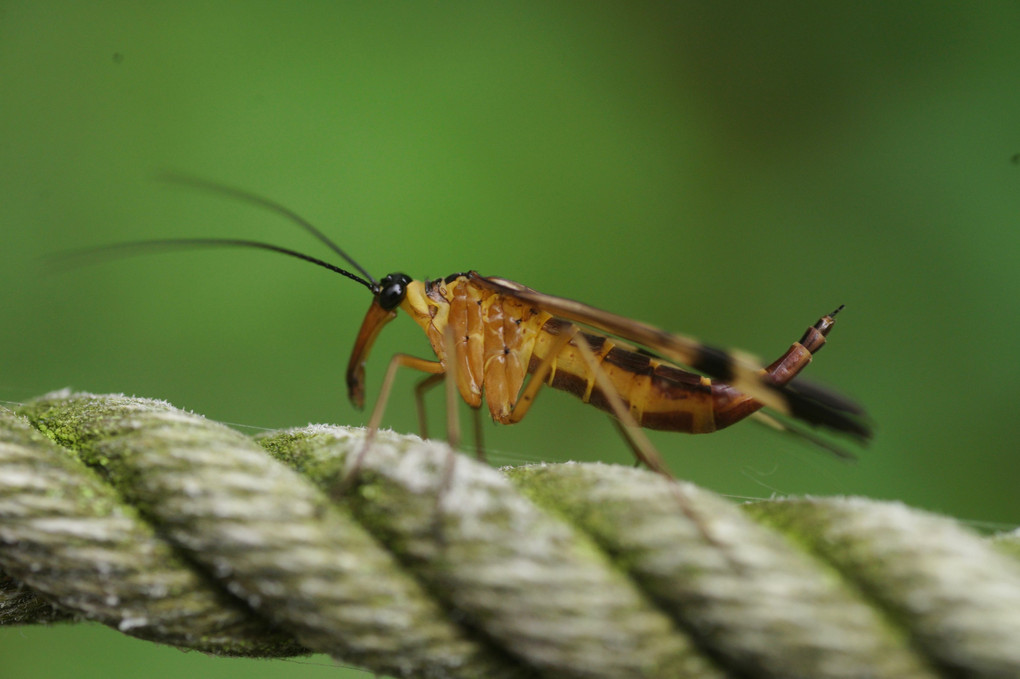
(494, 334)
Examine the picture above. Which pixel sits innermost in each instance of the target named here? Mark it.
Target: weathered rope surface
(176, 529)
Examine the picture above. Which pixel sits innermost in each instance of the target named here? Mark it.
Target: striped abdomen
(659, 394)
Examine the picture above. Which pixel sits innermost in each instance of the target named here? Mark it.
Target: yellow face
(418, 306)
(430, 314)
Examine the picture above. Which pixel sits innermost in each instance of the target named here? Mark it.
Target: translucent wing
(801, 400)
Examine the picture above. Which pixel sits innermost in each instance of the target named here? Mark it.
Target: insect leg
(452, 412)
(419, 400)
(398, 360)
(623, 434)
(423, 427)
(639, 443)
(632, 433)
(538, 377)
(452, 430)
(643, 448)
(479, 434)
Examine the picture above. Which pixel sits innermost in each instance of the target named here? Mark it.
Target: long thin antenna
(244, 196)
(185, 243)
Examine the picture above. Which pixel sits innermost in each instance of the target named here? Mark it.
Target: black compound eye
(392, 290)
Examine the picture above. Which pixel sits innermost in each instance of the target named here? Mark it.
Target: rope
(179, 530)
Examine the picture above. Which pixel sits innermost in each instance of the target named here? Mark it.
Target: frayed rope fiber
(179, 530)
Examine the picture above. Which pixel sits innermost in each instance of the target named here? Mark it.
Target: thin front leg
(452, 428)
(423, 428)
(452, 412)
(398, 360)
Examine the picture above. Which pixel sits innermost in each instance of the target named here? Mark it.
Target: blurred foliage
(726, 170)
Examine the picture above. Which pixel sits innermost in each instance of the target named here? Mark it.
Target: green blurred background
(726, 170)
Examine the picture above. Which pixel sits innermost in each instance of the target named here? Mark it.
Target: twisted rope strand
(535, 584)
(186, 532)
(958, 597)
(267, 535)
(748, 593)
(65, 533)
